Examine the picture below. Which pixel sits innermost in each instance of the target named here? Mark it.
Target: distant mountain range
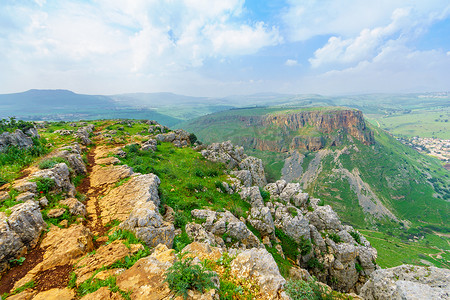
(171, 109)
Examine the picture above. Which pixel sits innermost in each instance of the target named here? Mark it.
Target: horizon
(230, 47)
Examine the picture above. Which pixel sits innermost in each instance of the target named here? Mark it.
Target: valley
(372, 180)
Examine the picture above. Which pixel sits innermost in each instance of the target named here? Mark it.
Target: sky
(225, 47)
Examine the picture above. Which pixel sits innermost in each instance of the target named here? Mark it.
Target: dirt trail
(58, 277)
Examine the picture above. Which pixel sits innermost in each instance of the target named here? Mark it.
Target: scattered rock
(150, 145)
(75, 207)
(56, 212)
(261, 219)
(25, 197)
(252, 195)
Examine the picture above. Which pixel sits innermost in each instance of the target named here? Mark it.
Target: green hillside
(411, 186)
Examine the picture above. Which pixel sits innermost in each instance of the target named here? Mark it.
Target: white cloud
(395, 69)
(291, 63)
(347, 18)
(136, 38)
(362, 47)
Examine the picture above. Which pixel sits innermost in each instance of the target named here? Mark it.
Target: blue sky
(224, 47)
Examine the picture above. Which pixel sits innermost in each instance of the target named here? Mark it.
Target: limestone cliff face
(310, 130)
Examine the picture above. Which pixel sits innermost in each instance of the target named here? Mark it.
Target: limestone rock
(11, 244)
(261, 219)
(75, 206)
(256, 168)
(140, 196)
(104, 256)
(73, 155)
(102, 293)
(56, 212)
(25, 197)
(244, 176)
(259, 265)
(17, 138)
(225, 153)
(145, 279)
(203, 251)
(252, 195)
(324, 218)
(56, 294)
(60, 175)
(408, 282)
(149, 145)
(220, 223)
(26, 221)
(104, 176)
(23, 185)
(62, 247)
(296, 227)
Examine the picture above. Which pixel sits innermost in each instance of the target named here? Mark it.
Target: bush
(183, 275)
(307, 290)
(356, 237)
(51, 162)
(44, 185)
(315, 263)
(334, 237)
(192, 138)
(265, 195)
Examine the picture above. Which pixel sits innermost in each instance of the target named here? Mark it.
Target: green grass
(180, 187)
(393, 251)
(429, 122)
(14, 159)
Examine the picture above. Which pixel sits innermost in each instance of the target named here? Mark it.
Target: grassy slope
(396, 173)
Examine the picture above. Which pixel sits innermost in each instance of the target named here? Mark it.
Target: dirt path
(58, 277)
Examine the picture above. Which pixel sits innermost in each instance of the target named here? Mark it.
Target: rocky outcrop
(60, 175)
(222, 229)
(84, 133)
(72, 154)
(259, 265)
(17, 138)
(308, 129)
(136, 203)
(179, 138)
(235, 159)
(19, 231)
(408, 282)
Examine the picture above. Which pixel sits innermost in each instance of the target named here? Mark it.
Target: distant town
(435, 147)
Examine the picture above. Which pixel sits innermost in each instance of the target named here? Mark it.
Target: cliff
(310, 130)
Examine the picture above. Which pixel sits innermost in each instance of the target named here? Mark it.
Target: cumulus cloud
(129, 37)
(291, 63)
(362, 47)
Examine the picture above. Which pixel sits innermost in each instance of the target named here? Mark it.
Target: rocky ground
(112, 236)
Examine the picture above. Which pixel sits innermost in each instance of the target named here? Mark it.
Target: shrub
(288, 244)
(199, 173)
(181, 241)
(356, 237)
(192, 138)
(51, 162)
(358, 267)
(44, 185)
(307, 290)
(180, 219)
(315, 263)
(183, 275)
(334, 237)
(265, 195)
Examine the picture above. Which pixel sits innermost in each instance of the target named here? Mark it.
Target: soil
(14, 274)
(57, 277)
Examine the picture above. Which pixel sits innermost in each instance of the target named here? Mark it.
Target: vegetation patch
(184, 275)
